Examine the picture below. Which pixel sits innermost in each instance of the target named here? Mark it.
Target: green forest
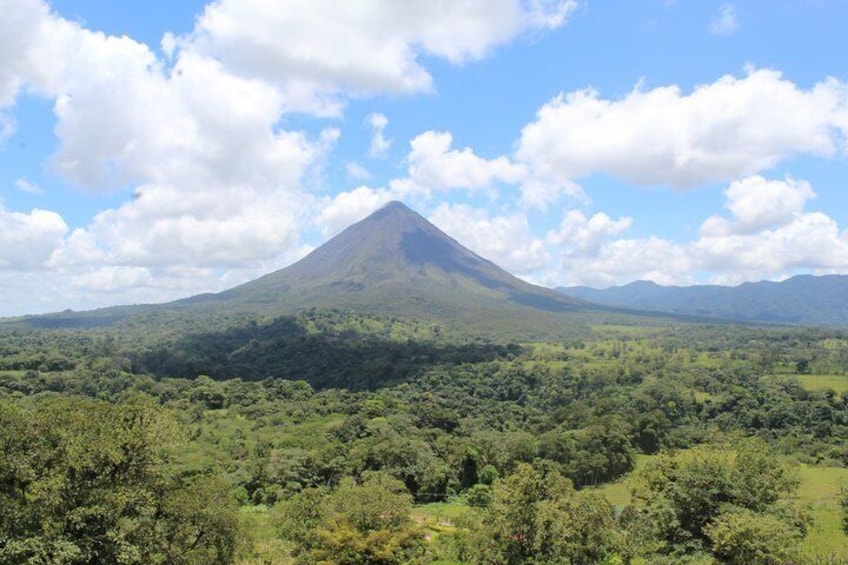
(333, 437)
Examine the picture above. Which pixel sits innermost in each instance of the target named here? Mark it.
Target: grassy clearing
(265, 546)
(820, 487)
(838, 383)
(441, 516)
(815, 382)
(618, 492)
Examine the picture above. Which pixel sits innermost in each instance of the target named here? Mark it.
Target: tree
(597, 453)
(843, 502)
(536, 516)
(195, 525)
(685, 493)
(744, 537)
(84, 482)
(479, 495)
(358, 523)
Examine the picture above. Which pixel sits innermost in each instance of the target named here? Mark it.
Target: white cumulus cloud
(27, 241)
(218, 183)
(718, 132)
(625, 260)
(338, 212)
(767, 234)
(319, 51)
(587, 252)
(756, 203)
(435, 166)
(507, 240)
(579, 235)
(216, 180)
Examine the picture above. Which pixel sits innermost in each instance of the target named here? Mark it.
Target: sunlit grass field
(838, 383)
(820, 488)
(817, 381)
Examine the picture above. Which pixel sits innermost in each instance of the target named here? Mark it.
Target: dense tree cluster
(84, 482)
(357, 522)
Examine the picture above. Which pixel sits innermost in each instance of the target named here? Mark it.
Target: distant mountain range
(801, 300)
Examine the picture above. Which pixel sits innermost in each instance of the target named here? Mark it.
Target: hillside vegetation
(330, 429)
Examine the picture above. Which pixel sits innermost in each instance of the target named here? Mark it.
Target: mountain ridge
(811, 300)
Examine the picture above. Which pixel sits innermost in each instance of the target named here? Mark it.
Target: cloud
(144, 126)
(377, 123)
(625, 260)
(110, 279)
(725, 22)
(27, 241)
(435, 166)
(541, 193)
(217, 182)
(25, 186)
(344, 209)
(507, 240)
(7, 125)
(720, 131)
(20, 22)
(587, 253)
(356, 172)
(318, 51)
(169, 226)
(579, 235)
(222, 191)
(767, 234)
(810, 242)
(35, 292)
(757, 204)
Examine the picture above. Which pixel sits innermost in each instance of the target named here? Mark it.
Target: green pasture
(837, 383)
(815, 382)
(820, 489)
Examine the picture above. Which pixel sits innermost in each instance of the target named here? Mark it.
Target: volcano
(395, 262)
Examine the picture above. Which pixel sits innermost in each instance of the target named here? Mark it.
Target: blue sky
(150, 151)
